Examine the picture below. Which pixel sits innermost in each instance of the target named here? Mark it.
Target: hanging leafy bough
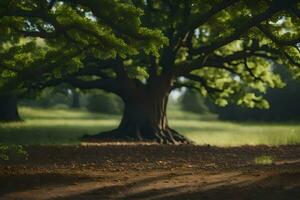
(222, 48)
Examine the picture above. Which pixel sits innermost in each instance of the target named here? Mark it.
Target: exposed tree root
(167, 136)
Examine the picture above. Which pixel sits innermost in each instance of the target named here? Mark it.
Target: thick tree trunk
(8, 108)
(75, 99)
(144, 119)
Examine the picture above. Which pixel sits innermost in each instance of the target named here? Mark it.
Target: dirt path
(152, 172)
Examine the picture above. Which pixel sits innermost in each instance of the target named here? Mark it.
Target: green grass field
(62, 126)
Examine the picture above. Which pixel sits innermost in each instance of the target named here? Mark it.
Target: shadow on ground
(151, 172)
(161, 186)
(227, 186)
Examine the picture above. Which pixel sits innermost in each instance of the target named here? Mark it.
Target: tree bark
(144, 119)
(9, 108)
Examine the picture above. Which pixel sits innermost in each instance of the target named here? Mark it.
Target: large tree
(223, 48)
(41, 42)
(11, 54)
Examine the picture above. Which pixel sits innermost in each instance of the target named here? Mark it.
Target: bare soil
(149, 171)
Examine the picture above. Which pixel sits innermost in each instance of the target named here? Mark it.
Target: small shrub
(105, 103)
(192, 101)
(264, 160)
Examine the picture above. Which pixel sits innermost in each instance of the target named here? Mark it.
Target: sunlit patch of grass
(235, 134)
(67, 126)
(264, 160)
(175, 113)
(61, 113)
(54, 126)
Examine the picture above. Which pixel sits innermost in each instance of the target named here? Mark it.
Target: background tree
(8, 107)
(75, 98)
(223, 48)
(13, 53)
(49, 97)
(192, 101)
(103, 102)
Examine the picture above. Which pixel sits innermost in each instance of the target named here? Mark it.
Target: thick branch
(276, 40)
(203, 82)
(213, 60)
(291, 60)
(105, 84)
(190, 65)
(240, 30)
(109, 85)
(91, 71)
(116, 65)
(199, 20)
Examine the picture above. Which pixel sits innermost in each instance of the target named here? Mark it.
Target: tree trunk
(144, 119)
(8, 108)
(75, 99)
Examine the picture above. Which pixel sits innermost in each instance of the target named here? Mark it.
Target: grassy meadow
(65, 126)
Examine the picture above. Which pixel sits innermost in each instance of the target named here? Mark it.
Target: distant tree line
(66, 97)
(284, 103)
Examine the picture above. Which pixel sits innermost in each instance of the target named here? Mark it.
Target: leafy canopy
(223, 48)
(42, 40)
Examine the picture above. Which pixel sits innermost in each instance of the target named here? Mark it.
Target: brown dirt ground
(148, 171)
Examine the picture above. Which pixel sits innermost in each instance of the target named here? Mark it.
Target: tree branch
(91, 71)
(240, 30)
(201, 19)
(291, 60)
(105, 84)
(108, 85)
(188, 66)
(203, 82)
(213, 60)
(251, 72)
(276, 40)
